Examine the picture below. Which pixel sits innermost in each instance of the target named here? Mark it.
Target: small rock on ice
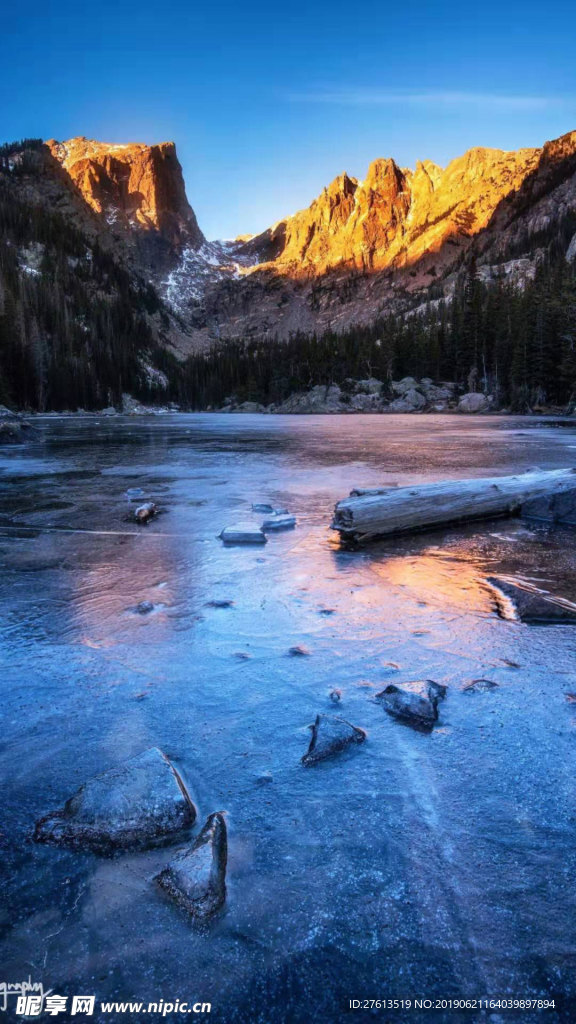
(243, 533)
(330, 735)
(196, 879)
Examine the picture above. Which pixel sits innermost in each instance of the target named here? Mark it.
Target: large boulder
(249, 407)
(139, 801)
(400, 387)
(319, 399)
(473, 402)
(412, 401)
(370, 386)
(196, 879)
(330, 735)
(365, 403)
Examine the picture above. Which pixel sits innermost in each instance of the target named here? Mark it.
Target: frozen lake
(416, 865)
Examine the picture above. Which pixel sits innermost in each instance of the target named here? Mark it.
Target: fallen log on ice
(380, 513)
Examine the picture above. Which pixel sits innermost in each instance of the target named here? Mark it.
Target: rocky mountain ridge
(389, 243)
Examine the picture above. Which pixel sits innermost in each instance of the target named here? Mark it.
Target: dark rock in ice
(139, 801)
(196, 879)
(280, 511)
(479, 686)
(144, 513)
(299, 651)
(144, 607)
(327, 611)
(330, 735)
(278, 522)
(242, 655)
(335, 696)
(220, 603)
(264, 778)
(243, 533)
(552, 508)
(520, 599)
(266, 509)
(437, 690)
(417, 708)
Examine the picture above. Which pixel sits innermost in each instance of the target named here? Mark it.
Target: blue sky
(267, 102)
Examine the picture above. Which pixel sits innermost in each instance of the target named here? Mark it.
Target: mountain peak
(137, 188)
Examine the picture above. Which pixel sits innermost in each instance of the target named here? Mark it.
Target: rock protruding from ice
(262, 507)
(330, 735)
(134, 804)
(243, 533)
(196, 879)
(417, 706)
(521, 599)
(144, 513)
(279, 522)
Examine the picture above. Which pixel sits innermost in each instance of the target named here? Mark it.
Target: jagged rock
(571, 250)
(520, 599)
(196, 879)
(330, 735)
(335, 696)
(552, 508)
(473, 402)
(139, 801)
(243, 533)
(144, 513)
(220, 603)
(266, 509)
(419, 709)
(278, 522)
(108, 411)
(299, 651)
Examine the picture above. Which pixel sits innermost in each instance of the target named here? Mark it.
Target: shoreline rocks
(408, 395)
(131, 805)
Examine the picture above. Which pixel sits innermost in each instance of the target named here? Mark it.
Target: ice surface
(437, 863)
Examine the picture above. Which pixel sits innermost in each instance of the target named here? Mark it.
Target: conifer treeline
(518, 345)
(73, 326)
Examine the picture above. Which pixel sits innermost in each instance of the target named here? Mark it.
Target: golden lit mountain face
(396, 216)
(134, 187)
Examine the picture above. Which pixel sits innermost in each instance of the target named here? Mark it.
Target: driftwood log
(368, 514)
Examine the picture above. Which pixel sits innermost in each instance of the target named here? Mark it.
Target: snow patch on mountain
(197, 269)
